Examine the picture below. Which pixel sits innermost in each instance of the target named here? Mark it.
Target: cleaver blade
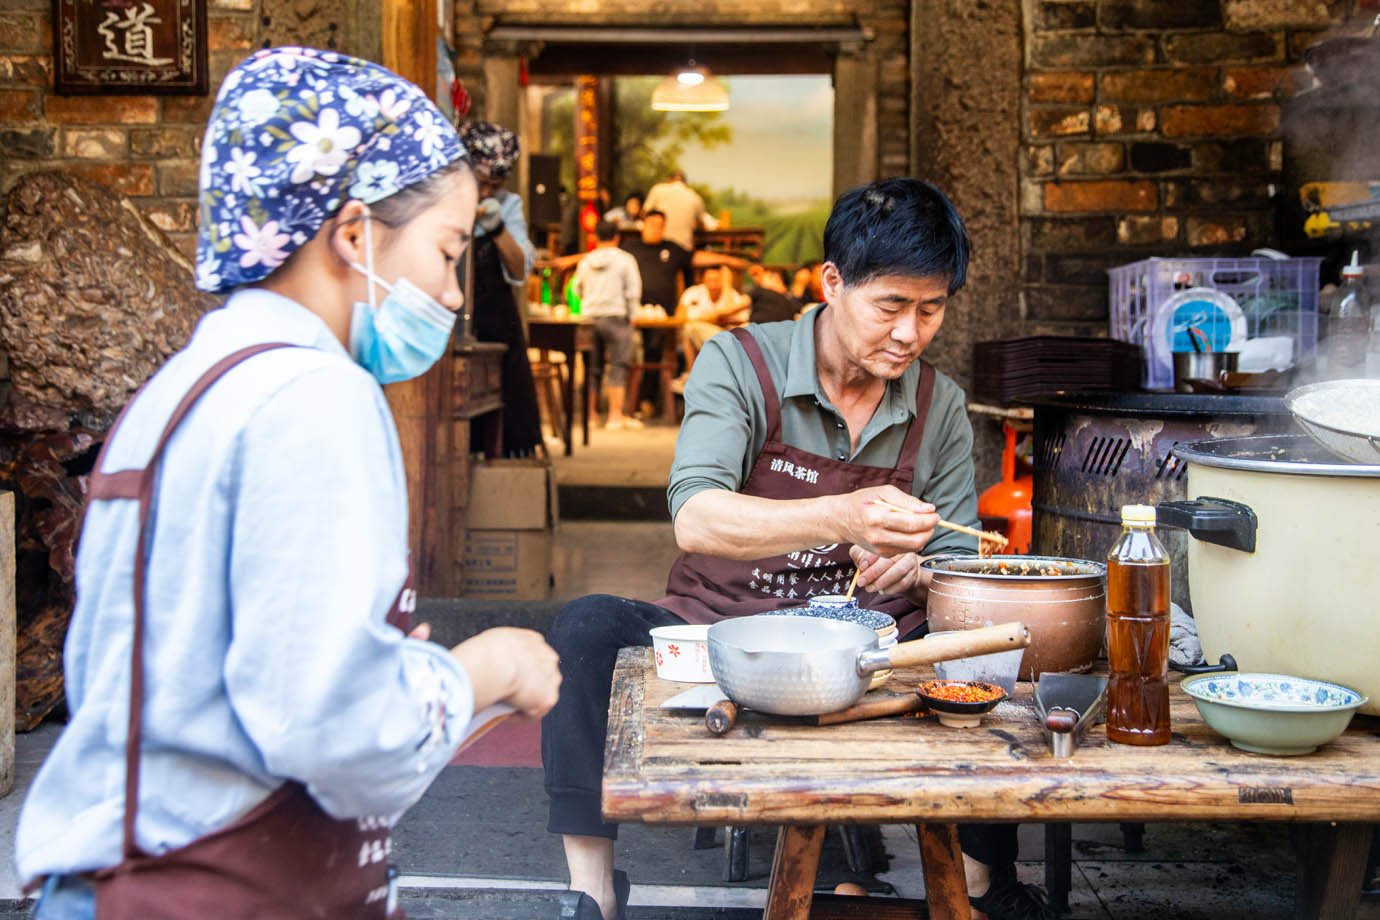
(696, 699)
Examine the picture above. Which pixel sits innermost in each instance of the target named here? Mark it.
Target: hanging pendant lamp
(690, 89)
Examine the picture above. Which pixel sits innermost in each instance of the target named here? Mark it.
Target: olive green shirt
(725, 425)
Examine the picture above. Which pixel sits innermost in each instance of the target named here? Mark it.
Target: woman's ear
(348, 233)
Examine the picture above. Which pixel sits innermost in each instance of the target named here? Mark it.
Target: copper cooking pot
(1066, 612)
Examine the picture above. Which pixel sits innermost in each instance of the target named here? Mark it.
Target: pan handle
(1225, 663)
(964, 644)
(1212, 520)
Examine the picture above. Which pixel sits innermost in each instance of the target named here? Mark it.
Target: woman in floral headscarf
(248, 716)
(503, 257)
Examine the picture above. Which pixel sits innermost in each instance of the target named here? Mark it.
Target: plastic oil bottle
(1138, 632)
(1349, 326)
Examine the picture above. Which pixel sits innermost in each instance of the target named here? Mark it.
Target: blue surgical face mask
(403, 336)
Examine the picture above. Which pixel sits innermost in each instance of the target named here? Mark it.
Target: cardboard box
(508, 534)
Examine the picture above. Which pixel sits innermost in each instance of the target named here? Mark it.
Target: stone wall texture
(1148, 128)
(145, 147)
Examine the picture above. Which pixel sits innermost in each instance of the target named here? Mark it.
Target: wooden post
(7, 642)
(1332, 863)
(855, 118)
(793, 867)
(946, 886)
(422, 407)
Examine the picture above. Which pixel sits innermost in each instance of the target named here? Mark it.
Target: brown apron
(285, 859)
(705, 589)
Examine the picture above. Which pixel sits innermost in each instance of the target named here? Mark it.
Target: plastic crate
(1275, 297)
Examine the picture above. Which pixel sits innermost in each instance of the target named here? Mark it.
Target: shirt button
(842, 455)
(838, 424)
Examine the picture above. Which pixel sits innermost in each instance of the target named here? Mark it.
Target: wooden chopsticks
(987, 535)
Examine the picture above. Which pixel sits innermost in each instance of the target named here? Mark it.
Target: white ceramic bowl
(1000, 668)
(1273, 713)
(682, 653)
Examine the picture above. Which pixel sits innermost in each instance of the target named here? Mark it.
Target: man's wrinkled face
(884, 324)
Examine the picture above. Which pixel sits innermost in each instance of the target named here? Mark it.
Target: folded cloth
(1184, 647)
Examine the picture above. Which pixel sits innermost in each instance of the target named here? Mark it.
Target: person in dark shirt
(659, 261)
(770, 301)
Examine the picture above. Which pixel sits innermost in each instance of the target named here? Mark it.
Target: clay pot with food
(1062, 601)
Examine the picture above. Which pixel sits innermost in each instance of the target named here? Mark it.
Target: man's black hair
(897, 226)
(655, 212)
(605, 230)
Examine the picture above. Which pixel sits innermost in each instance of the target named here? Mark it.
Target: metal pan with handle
(802, 666)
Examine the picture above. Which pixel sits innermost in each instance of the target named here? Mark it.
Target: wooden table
(662, 767)
(665, 365)
(570, 336)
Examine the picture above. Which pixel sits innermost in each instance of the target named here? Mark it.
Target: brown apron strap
(140, 483)
(759, 364)
(924, 394)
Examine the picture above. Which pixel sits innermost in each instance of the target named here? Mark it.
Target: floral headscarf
(295, 133)
(493, 149)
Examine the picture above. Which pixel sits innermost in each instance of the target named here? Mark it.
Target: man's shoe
(1008, 899)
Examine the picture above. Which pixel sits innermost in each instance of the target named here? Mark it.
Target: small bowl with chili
(960, 703)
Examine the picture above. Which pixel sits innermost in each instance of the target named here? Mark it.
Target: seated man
(709, 308)
(794, 435)
(771, 302)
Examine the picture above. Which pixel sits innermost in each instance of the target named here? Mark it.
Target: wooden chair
(548, 373)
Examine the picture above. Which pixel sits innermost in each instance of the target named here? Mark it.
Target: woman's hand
(513, 666)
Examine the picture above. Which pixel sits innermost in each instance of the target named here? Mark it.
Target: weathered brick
(233, 4)
(165, 143)
(34, 144)
(1101, 195)
(1061, 268)
(1219, 120)
(1253, 82)
(1178, 84)
(1216, 47)
(1034, 267)
(188, 110)
(1066, 15)
(1243, 156)
(1090, 159)
(1215, 232)
(1039, 160)
(1032, 196)
(126, 178)
(1276, 156)
(94, 143)
(28, 70)
(101, 110)
(179, 179)
(1214, 193)
(25, 33)
(1115, 119)
(1245, 15)
(230, 33)
(20, 105)
(1067, 302)
(1071, 233)
(1159, 14)
(1302, 39)
(1073, 50)
(1147, 231)
(1058, 121)
(1061, 87)
(1157, 157)
(170, 216)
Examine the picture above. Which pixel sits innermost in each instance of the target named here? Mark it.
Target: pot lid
(1277, 453)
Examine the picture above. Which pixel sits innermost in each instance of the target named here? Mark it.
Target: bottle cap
(1137, 514)
(1354, 270)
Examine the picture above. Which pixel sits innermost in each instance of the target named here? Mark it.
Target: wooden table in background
(663, 767)
(665, 365)
(570, 336)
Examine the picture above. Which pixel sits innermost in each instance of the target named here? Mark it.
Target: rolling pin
(723, 715)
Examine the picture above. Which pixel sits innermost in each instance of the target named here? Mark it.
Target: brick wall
(886, 18)
(1149, 128)
(147, 147)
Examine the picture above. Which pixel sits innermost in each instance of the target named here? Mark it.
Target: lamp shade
(692, 89)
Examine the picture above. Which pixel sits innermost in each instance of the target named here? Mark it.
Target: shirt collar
(282, 319)
(802, 379)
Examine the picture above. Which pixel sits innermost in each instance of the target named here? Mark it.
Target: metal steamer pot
(1284, 570)
(802, 666)
(1066, 612)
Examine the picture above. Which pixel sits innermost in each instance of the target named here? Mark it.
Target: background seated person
(771, 302)
(709, 308)
(628, 215)
(794, 434)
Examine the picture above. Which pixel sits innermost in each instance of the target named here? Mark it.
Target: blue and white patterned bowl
(1273, 713)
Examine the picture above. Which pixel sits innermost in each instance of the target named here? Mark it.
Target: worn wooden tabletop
(664, 767)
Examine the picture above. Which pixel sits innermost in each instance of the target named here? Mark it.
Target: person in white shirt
(709, 308)
(609, 286)
(238, 654)
(684, 209)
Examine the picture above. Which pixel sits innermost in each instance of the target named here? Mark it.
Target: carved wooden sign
(130, 46)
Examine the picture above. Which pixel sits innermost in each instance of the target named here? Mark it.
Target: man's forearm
(731, 525)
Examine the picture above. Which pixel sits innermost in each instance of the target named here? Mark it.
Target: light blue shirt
(510, 207)
(279, 542)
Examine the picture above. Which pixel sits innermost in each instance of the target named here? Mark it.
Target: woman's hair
(403, 205)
